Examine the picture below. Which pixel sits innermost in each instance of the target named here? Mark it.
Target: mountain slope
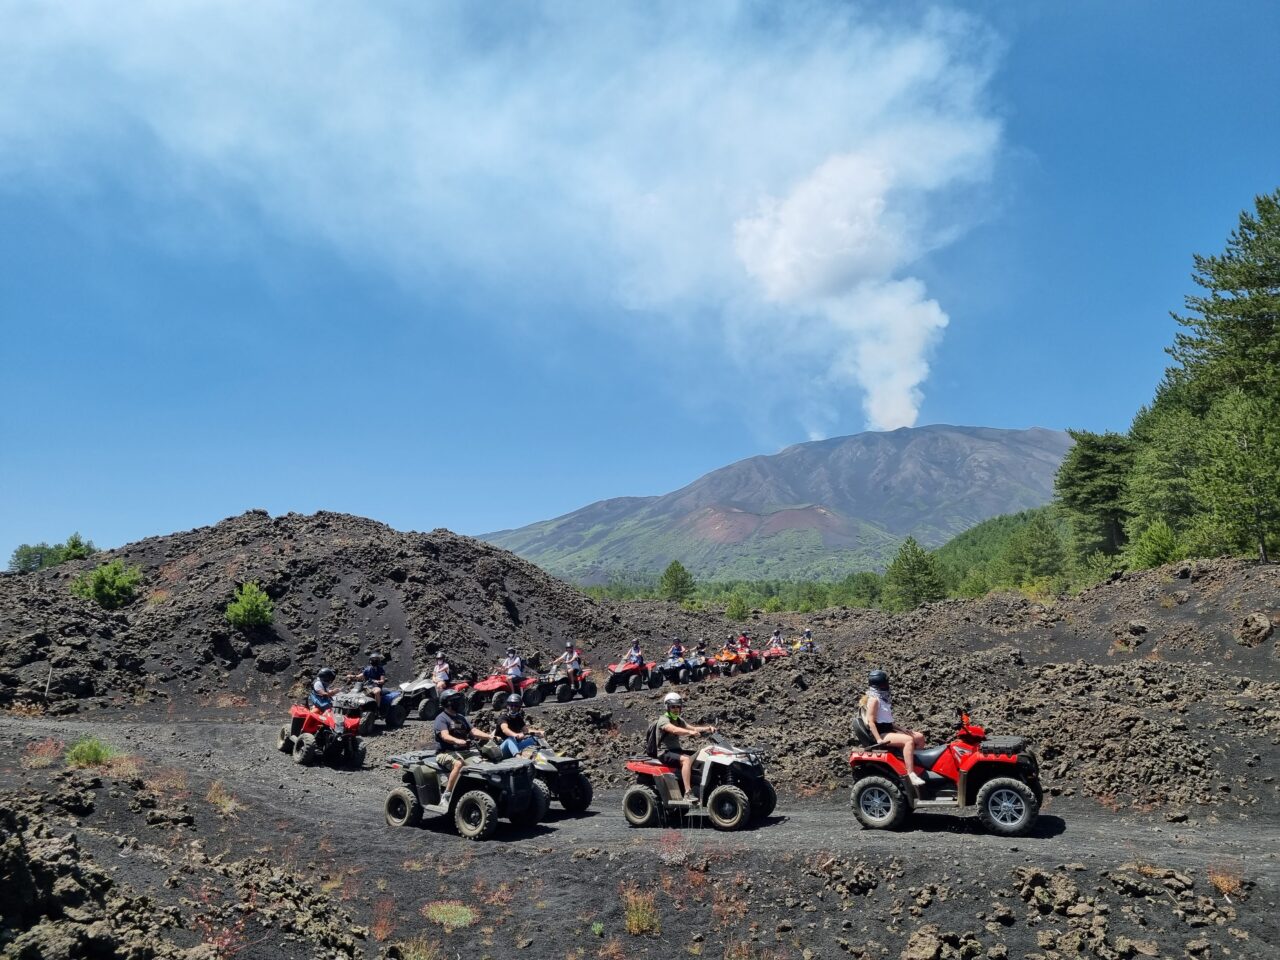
(815, 509)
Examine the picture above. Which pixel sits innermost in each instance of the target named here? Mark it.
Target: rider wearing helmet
(744, 641)
(670, 729)
(321, 696)
(571, 660)
(806, 643)
(513, 726)
(878, 715)
(701, 648)
(440, 673)
(776, 639)
(513, 664)
(633, 655)
(375, 676)
(454, 735)
(677, 649)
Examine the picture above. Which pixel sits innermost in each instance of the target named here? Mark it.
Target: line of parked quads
(998, 776)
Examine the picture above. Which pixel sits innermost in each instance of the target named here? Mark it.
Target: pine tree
(1232, 332)
(676, 583)
(1034, 552)
(1160, 486)
(1238, 480)
(912, 579)
(1090, 487)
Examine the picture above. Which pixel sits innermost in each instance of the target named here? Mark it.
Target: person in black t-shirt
(513, 725)
(454, 735)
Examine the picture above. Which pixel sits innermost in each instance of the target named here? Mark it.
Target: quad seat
(927, 757)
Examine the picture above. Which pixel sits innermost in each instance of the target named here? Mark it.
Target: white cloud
(776, 168)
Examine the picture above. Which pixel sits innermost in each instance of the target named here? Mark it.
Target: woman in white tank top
(879, 720)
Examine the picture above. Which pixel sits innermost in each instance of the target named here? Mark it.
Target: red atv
(495, 689)
(633, 676)
(331, 735)
(777, 652)
(998, 775)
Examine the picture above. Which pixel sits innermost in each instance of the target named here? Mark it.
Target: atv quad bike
(557, 683)
(998, 775)
(774, 653)
(676, 670)
(560, 776)
(633, 676)
(420, 696)
(730, 661)
(729, 782)
(391, 710)
(495, 689)
(332, 736)
(699, 667)
(488, 789)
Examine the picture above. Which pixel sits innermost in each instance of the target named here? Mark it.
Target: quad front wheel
(304, 751)
(533, 696)
(635, 682)
(402, 808)
(588, 689)
(395, 716)
(1007, 806)
(284, 743)
(878, 803)
(640, 805)
(536, 811)
(655, 679)
(764, 801)
(683, 675)
(610, 685)
(728, 808)
(476, 815)
(429, 709)
(564, 693)
(576, 797)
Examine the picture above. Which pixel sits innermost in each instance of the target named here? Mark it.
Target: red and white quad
(331, 735)
(775, 652)
(998, 775)
(495, 689)
(633, 676)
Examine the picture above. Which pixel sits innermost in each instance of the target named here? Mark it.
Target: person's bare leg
(686, 773)
(454, 774)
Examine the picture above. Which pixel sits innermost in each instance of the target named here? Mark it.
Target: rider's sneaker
(916, 780)
(445, 797)
(692, 799)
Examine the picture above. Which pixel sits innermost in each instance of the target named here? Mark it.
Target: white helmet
(673, 700)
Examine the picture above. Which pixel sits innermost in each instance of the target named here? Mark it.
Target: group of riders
(455, 736)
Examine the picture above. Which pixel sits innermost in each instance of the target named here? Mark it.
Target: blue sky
(477, 265)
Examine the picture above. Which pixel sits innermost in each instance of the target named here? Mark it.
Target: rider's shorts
(672, 758)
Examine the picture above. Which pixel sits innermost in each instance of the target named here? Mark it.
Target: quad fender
(874, 768)
(973, 779)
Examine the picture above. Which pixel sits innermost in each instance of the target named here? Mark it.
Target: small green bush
(250, 608)
(90, 752)
(111, 585)
(736, 608)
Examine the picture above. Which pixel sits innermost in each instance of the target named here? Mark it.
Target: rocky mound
(341, 585)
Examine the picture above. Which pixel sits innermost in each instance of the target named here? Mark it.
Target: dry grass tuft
(640, 911)
(25, 709)
(221, 799)
(1226, 879)
(612, 951)
(419, 949)
(168, 781)
(43, 753)
(384, 920)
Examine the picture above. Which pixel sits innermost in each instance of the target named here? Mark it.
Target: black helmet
(327, 674)
(451, 699)
(568, 644)
(376, 658)
(878, 679)
(514, 702)
(439, 654)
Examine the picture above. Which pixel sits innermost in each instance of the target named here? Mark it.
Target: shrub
(90, 752)
(250, 608)
(420, 950)
(1154, 547)
(597, 928)
(736, 608)
(111, 585)
(640, 910)
(222, 800)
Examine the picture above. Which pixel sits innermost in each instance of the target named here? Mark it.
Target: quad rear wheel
(878, 803)
(536, 811)
(1007, 807)
(640, 805)
(655, 679)
(395, 716)
(429, 709)
(402, 808)
(476, 815)
(588, 688)
(729, 808)
(683, 675)
(564, 693)
(533, 695)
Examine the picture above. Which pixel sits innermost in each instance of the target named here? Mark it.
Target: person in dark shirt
(514, 726)
(670, 729)
(454, 736)
(375, 676)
